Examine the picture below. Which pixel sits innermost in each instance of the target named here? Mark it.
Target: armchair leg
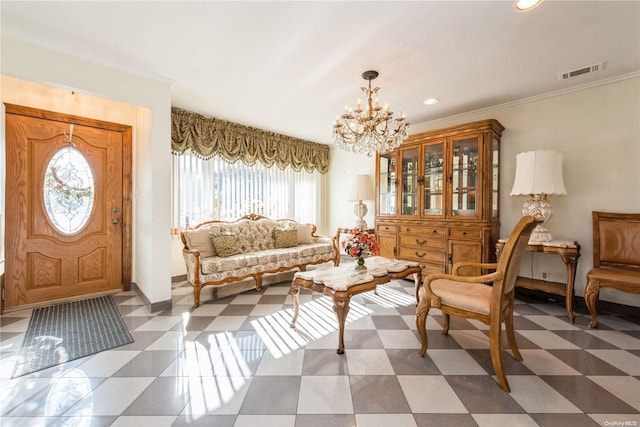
(496, 357)
(421, 322)
(511, 336)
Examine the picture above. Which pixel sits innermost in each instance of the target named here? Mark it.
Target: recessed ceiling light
(524, 5)
(431, 101)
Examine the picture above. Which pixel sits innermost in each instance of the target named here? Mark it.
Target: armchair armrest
(484, 265)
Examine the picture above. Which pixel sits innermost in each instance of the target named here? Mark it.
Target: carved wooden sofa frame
(254, 263)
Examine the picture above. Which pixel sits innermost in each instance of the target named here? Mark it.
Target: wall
(41, 78)
(343, 167)
(597, 129)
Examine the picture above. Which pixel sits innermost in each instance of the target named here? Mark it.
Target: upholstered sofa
(217, 253)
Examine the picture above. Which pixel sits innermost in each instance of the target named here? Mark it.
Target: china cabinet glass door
(409, 198)
(433, 184)
(495, 150)
(464, 182)
(387, 184)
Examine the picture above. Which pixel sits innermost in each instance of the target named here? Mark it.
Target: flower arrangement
(360, 244)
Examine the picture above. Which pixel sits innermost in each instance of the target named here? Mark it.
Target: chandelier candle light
(370, 129)
(539, 175)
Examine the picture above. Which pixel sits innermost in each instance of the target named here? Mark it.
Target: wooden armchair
(616, 257)
(473, 297)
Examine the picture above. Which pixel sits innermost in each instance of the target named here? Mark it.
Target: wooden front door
(67, 221)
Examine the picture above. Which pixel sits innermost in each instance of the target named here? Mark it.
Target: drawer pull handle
(464, 233)
(421, 242)
(435, 231)
(420, 254)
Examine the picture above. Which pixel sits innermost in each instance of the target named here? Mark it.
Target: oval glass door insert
(68, 190)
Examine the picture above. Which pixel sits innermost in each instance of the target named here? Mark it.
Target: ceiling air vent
(585, 70)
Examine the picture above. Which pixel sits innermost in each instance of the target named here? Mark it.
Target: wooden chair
(473, 297)
(616, 257)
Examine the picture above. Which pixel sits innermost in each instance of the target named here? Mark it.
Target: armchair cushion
(474, 297)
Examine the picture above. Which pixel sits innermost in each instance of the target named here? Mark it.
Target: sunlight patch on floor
(317, 319)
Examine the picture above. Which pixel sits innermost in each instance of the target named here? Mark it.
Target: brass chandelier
(372, 129)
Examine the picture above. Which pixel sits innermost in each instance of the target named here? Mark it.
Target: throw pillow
(304, 234)
(285, 237)
(225, 244)
(199, 240)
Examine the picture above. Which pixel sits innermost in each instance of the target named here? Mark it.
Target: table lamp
(539, 175)
(361, 189)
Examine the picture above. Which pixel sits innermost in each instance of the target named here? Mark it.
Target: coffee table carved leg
(341, 307)
(417, 278)
(421, 323)
(295, 290)
(591, 293)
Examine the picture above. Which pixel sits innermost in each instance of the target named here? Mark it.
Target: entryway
(68, 206)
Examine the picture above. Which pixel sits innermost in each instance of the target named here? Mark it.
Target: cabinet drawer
(424, 255)
(386, 228)
(421, 231)
(465, 233)
(422, 241)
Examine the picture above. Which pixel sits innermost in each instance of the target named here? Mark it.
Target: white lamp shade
(361, 188)
(539, 172)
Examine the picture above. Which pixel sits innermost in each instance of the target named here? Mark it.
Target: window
(204, 190)
(68, 190)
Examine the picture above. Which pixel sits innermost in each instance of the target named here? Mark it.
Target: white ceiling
(290, 67)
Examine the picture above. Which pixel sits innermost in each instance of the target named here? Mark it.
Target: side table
(569, 251)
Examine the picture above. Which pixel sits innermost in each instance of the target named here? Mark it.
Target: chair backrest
(616, 240)
(510, 257)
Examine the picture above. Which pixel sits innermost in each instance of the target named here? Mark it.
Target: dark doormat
(63, 332)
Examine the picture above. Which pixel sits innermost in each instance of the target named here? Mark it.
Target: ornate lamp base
(540, 234)
(538, 204)
(360, 209)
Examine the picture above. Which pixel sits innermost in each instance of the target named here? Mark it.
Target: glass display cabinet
(439, 204)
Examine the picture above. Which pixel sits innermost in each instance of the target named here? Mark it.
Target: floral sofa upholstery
(256, 238)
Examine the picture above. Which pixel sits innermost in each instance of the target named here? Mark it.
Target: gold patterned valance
(208, 137)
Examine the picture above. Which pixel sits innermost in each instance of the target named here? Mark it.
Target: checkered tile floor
(236, 362)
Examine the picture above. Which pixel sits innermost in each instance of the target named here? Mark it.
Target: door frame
(127, 181)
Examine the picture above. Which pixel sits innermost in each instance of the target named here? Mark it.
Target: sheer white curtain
(215, 189)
